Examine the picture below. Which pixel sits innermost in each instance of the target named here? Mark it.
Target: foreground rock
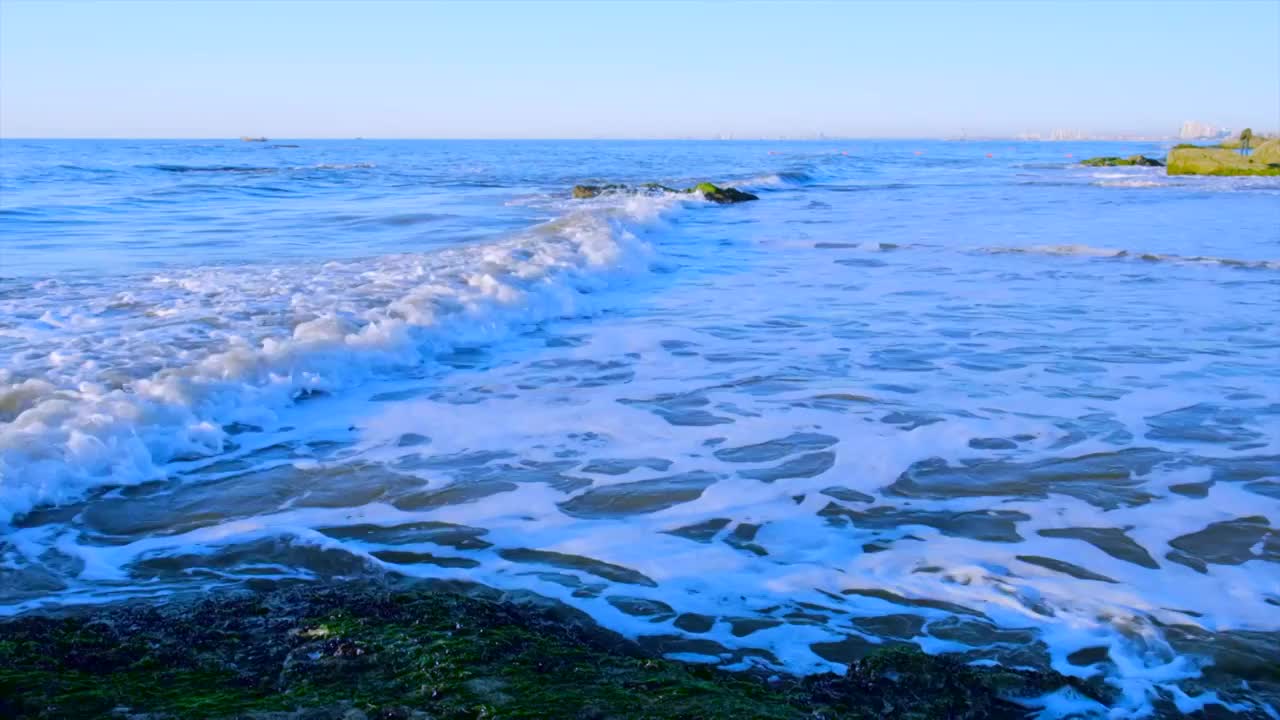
(1112, 161)
(363, 651)
(710, 191)
(1193, 160)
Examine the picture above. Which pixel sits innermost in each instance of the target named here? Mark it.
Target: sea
(970, 396)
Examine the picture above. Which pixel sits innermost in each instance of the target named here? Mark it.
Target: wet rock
(1064, 567)
(694, 622)
(702, 532)
(322, 660)
(420, 654)
(1112, 161)
(776, 449)
(585, 192)
(488, 690)
(1112, 541)
(709, 191)
(608, 571)
(1265, 160)
(845, 494)
(640, 497)
(723, 196)
(804, 466)
(901, 681)
(1232, 542)
(654, 610)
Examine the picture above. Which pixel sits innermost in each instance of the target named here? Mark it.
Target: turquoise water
(967, 395)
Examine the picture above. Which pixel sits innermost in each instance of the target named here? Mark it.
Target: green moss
(723, 196)
(1113, 161)
(1266, 152)
(583, 192)
(448, 655)
(710, 191)
(1217, 161)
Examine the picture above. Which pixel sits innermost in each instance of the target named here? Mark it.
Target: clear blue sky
(295, 69)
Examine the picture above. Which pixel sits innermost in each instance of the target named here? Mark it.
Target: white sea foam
(1133, 183)
(115, 382)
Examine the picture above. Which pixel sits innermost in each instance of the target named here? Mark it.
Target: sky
(417, 69)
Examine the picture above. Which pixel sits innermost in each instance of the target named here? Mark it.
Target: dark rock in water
(355, 650)
(710, 191)
(583, 192)
(1112, 161)
(724, 196)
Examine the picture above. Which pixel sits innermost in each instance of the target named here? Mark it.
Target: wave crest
(154, 374)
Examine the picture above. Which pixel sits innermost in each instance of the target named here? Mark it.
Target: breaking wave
(200, 349)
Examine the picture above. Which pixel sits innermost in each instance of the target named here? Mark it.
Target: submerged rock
(710, 191)
(1113, 161)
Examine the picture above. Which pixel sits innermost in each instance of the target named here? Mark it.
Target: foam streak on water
(1009, 406)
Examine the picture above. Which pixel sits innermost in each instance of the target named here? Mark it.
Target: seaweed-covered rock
(710, 191)
(1113, 161)
(724, 196)
(361, 650)
(1265, 160)
(584, 192)
(906, 683)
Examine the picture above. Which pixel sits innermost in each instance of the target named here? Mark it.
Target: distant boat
(246, 138)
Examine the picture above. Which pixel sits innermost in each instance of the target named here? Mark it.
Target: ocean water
(971, 396)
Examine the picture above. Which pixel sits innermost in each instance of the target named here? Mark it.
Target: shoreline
(364, 649)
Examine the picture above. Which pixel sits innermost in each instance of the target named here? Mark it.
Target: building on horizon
(1192, 130)
(1065, 134)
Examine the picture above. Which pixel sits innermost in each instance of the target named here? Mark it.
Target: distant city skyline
(297, 69)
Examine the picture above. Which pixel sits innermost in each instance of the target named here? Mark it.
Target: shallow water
(1007, 405)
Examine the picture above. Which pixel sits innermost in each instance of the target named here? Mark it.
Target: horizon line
(1101, 137)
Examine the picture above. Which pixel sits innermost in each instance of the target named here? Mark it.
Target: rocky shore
(366, 651)
(1223, 160)
(1193, 160)
(709, 191)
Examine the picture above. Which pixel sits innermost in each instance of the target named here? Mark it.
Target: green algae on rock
(1113, 161)
(584, 192)
(724, 196)
(1264, 160)
(710, 191)
(363, 651)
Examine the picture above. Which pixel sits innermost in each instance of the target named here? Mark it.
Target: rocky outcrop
(1113, 161)
(724, 196)
(1264, 160)
(361, 651)
(585, 192)
(709, 191)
